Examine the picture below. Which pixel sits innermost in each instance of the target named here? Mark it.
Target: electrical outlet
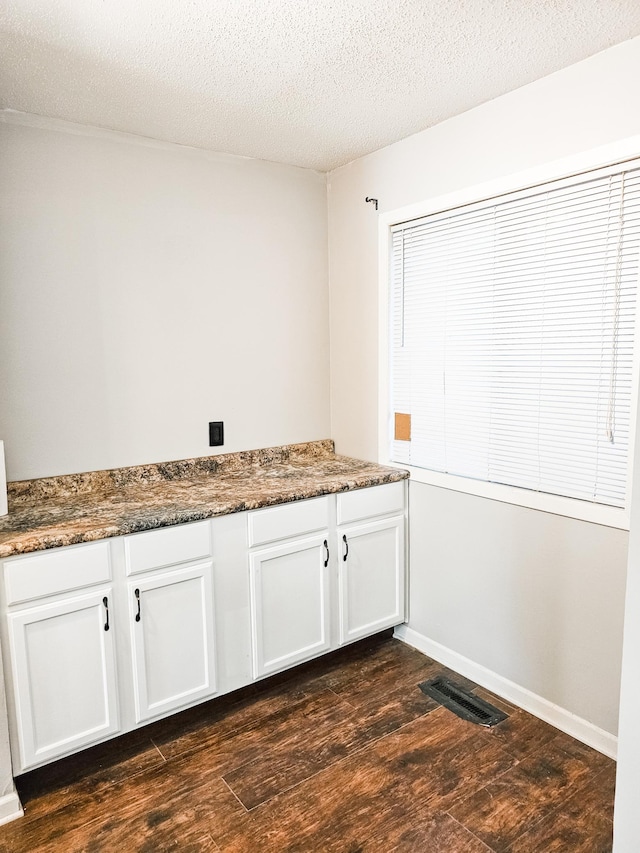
(216, 433)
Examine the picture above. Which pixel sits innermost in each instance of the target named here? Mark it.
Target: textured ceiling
(314, 83)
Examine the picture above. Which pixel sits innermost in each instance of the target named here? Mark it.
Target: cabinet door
(371, 562)
(289, 603)
(171, 617)
(63, 664)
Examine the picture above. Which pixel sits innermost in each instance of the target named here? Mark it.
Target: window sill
(606, 516)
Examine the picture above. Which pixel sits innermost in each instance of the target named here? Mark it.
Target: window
(511, 338)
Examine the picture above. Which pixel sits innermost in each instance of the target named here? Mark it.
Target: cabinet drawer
(365, 503)
(56, 571)
(158, 548)
(293, 519)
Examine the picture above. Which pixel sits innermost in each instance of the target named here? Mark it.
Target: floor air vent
(462, 702)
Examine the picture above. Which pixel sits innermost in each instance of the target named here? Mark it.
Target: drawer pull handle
(137, 595)
(105, 601)
(326, 558)
(346, 548)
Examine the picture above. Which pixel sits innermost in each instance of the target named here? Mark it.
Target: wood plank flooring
(345, 754)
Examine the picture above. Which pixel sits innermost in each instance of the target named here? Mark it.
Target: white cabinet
(289, 603)
(324, 585)
(289, 584)
(89, 654)
(371, 568)
(371, 561)
(102, 637)
(171, 623)
(64, 677)
(170, 617)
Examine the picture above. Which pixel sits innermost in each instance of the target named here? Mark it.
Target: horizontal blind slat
(512, 329)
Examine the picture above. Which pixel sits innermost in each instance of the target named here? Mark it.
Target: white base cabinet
(371, 567)
(171, 623)
(289, 604)
(353, 570)
(64, 676)
(100, 638)
(371, 527)
(87, 664)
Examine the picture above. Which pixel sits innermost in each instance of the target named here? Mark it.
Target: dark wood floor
(345, 754)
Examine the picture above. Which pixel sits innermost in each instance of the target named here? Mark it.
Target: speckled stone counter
(66, 510)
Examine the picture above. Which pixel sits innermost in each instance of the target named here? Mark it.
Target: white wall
(531, 596)
(549, 614)
(147, 289)
(626, 828)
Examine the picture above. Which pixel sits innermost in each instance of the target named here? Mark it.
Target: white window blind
(511, 337)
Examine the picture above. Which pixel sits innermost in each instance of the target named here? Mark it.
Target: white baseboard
(562, 719)
(10, 807)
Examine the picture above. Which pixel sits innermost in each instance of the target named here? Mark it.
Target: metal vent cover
(462, 702)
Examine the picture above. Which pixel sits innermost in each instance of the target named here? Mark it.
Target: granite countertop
(57, 511)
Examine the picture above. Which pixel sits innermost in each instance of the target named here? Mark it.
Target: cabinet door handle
(346, 548)
(137, 595)
(326, 552)
(105, 601)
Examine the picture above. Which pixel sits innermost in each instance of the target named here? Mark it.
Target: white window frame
(603, 157)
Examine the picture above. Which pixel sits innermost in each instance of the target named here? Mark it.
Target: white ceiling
(314, 83)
